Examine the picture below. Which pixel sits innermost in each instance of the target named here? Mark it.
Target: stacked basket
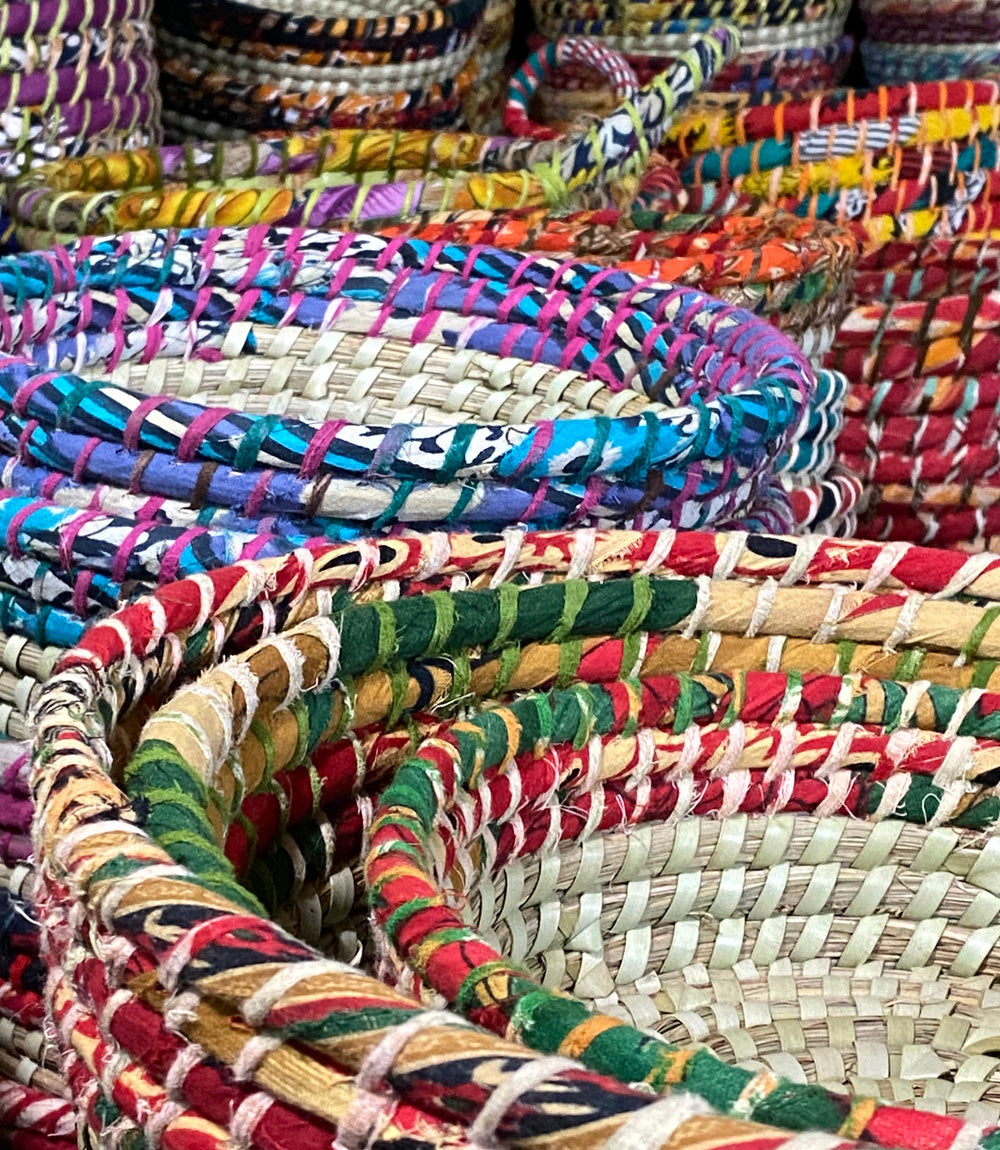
(923, 40)
(916, 170)
(737, 790)
(898, 163)
(73, 76)
(439, 186)
(787, 45)
(231, 67)
(359, 177)
(924, 413)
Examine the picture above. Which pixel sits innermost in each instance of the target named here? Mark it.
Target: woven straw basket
(357, 176)
(555, 756)
(931, 460)
(797, 273)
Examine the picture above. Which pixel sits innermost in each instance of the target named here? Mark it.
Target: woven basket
(506, 756)
(238, 68)
(74, 77)
(796, 273)
(931, 408)
(916, 171)
(801, 45)
(896, 162)
(924, 430)
(357, 176)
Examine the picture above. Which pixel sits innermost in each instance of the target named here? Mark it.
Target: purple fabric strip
(36, 89)
(19, 19)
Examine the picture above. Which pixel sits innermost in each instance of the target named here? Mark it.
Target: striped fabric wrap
(460, 711)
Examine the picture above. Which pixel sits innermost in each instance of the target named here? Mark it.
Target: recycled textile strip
(915, 172)
(716, 120)
(771, 263)
(104, 492)
(897, 164)
(139, 620)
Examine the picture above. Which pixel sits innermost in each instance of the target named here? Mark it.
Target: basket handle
(540, 65)
(618, 147)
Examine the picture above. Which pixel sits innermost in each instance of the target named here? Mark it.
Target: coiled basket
(786, 45)
(74, 77)
(598, 795)
(231, 67)
(912, 40)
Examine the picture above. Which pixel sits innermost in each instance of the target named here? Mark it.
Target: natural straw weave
(74, 76)
(464, 733)
(358, 177)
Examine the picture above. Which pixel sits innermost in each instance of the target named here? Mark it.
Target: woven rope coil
(327, 697)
